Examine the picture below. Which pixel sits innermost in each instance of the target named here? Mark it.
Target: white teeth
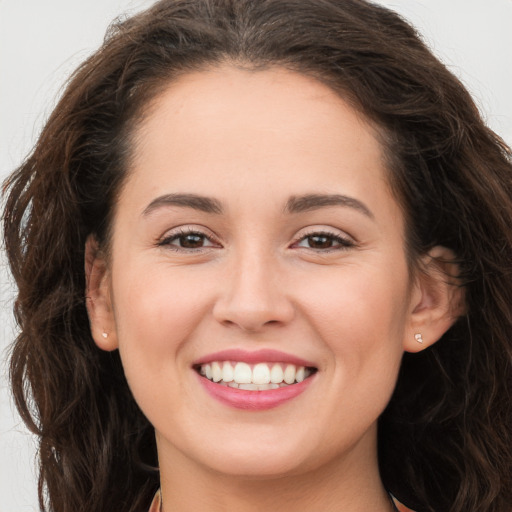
(261, 376)
(227, 372)
(289, 374)
(216, 372)
(276, 374)
(243, 373)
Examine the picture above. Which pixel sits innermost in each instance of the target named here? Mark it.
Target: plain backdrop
(42, 41)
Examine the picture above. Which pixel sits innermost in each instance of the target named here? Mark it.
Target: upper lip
(253, 357)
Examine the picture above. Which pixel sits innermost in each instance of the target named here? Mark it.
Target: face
(256, 239)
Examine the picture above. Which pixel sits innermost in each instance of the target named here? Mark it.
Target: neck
(350, 483)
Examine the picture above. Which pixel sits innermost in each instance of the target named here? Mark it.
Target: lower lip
(254, 400)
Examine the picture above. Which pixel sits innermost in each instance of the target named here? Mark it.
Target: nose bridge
(253, 294)
(254, 275)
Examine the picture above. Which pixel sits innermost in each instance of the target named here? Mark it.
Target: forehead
(225, 130)
(291, 102)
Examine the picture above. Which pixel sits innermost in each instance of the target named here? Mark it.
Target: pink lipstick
(254, 400)
(255, 380)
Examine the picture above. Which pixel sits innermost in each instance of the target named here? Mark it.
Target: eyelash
(344, 243)
(182, 233)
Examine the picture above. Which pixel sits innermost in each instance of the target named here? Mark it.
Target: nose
(253, 296)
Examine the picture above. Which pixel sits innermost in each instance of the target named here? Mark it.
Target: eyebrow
(296, 204)
(308, 202)
(194, 201)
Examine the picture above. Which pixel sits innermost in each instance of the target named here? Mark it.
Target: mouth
(262, 376)
(254, 381)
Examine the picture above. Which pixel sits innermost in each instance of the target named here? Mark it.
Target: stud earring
(418, 337)
(104, 334)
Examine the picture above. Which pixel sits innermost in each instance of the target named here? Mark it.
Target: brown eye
(324, 242)
(191, 241)
(320, 241)
(187, 240)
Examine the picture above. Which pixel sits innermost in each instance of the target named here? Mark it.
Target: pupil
(320, 242)
(191, 241)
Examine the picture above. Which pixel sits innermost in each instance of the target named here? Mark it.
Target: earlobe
(437, 299)
(98, 297)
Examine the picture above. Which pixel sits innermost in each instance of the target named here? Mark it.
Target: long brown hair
(445, 440)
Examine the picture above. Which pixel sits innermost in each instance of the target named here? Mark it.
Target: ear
(437, 299)
(98, 297)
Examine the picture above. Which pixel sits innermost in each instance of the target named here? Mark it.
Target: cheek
(156, 313)
(155, 304)
(359, 313)
(362, 299)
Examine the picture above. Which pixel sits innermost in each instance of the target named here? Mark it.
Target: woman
(263, 254)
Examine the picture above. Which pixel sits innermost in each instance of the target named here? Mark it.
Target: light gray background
(42, 41)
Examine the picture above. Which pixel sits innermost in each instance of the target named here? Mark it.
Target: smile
(254, 377)
(254, 380)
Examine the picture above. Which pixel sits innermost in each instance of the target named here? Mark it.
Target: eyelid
(318, 229)
(345, 240)
(188, 229)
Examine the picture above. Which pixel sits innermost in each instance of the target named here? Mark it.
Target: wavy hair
(445, 440)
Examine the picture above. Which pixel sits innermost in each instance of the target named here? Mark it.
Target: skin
(258, 278)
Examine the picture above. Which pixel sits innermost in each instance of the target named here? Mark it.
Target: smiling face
(256, 235)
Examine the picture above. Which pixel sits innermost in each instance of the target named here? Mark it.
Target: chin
(258, 467)
(255, 457)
